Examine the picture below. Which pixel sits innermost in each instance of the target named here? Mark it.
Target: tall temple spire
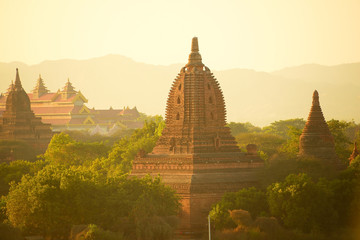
(316, 139)
(195, 112)
(315, 101)
(195, 57)
(194, 45)
(18, 85)
(17, 99)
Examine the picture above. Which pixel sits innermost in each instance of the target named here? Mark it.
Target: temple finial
(195, 57)
(316, 98)
(194, 45)
(17, 79)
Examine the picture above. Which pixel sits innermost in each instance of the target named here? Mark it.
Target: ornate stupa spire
(354, 154)
(194, 56)
(17, 99)
(316, 139)
(40, 88)
(17, 84)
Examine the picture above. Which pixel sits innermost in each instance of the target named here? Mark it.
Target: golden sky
(257, 34)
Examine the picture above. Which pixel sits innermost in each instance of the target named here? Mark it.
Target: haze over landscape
(257, 97)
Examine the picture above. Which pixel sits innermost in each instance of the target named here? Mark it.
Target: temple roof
(40, 88)
(68, 88)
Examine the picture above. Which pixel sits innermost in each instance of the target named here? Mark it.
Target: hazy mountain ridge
(258, 97)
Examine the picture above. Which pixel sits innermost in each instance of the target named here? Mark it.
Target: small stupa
(316, 139)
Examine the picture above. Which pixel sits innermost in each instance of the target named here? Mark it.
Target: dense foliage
(298, 197)
(84, 182)
(83, 179)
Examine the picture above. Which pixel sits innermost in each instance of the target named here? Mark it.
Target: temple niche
(18, 121)
(196, 154)
(316, 139)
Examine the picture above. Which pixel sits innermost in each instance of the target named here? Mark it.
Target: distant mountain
(257, 97)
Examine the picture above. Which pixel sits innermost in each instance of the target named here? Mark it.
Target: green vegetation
(84, 182)
(298, 198)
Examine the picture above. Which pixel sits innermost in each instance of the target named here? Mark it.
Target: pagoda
(316, 139)
(18, 122)
(197, 155)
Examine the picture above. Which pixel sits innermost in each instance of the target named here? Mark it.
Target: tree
(343, 144)
(65, 150)
(249, 199)
(281, 127)
(15, 170)
(119, 160)
(266, 142)
(291, 146)
(58, 197)
(301, 204)
(237, 128)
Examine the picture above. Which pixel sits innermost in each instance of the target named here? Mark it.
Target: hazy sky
(262, 35)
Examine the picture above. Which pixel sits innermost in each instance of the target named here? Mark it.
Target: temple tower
(39, 89)
(196, 154)
(18, 122)
(195, 113)
(316, 139)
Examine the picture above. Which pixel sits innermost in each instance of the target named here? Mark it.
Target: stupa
(196, 154)
(316, 139)
(18, 122)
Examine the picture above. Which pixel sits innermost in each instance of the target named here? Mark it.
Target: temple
(66, 110)
(18, 122)
(316, 139)
(354, 154)
(197, 155)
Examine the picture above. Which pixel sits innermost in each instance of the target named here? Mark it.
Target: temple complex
(18, 122)
(316, 139)
(197, 155)
(66, 110)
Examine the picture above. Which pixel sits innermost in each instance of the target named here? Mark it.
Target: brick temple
(196, 154)
(18, 121)
(316, 139)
